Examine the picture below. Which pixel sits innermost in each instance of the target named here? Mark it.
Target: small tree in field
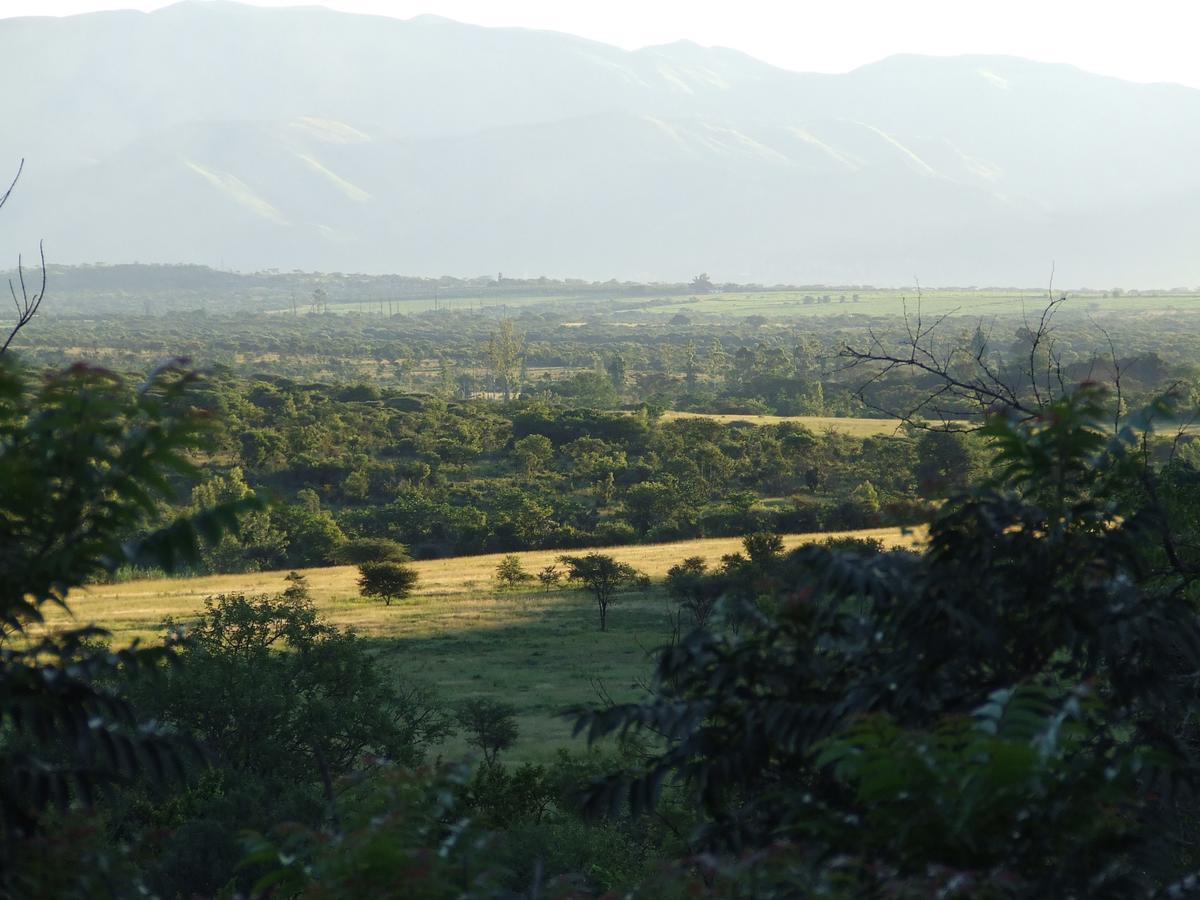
(510, 573)
(602, 575)
(387, 580)
(550, 577)
(491, 725)
(763, 547)
(694, 588)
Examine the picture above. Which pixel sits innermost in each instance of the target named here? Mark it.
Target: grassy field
(845, 425)
(873, 303)
(542, 652)
(934, 302)
(370, 306)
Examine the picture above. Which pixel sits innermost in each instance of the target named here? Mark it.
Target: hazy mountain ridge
(304, 138)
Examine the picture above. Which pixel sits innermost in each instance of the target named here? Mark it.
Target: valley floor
(541, 651)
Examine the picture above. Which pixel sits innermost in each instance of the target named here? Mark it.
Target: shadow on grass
(543, 665)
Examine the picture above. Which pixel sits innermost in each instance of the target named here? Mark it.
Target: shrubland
(1003, 709)
(444, 477)
(1006, 712)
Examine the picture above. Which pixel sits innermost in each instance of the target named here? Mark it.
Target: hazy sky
(1142, 40)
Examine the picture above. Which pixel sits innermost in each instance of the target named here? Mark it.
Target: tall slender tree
(505, 352)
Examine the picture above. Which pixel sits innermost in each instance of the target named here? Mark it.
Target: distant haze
(306, 138)
(1152, 40)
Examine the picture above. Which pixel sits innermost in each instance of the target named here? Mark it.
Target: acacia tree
(534, 452)
(602, 576)
(364, 550)
(763, 547)
(387, 579)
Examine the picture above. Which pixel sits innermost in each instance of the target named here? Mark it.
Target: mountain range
(303, 138)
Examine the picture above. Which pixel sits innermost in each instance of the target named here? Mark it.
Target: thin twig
(26, 304)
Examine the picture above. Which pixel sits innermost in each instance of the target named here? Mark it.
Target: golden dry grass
(135, 608)
(842, 424)
(540, 651)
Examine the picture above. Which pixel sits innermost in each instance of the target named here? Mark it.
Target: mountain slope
(304, 138)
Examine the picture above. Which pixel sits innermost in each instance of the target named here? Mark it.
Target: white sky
(1140, 40)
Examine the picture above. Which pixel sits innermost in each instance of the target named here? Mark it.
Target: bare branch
(1115, 361)
(960, 380)
(26, 304)
(16, 178)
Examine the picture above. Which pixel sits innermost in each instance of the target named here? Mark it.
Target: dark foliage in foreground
(284, 705)
(1009, 714)
(85, 462)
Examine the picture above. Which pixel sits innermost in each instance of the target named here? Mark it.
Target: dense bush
(283, 704)
(85, 462)
(452, 477)
(1008, 714)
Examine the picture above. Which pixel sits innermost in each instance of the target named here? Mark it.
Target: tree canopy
(1004, 714)
(602, 576)
(86, 459)
(387, 579)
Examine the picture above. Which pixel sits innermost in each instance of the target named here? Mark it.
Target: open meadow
(817, 301)
(854, 427)
(541, 651)
(935, 302)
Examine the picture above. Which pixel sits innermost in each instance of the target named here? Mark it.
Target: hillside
(304, 138)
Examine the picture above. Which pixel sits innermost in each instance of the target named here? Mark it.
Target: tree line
(447, 478)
